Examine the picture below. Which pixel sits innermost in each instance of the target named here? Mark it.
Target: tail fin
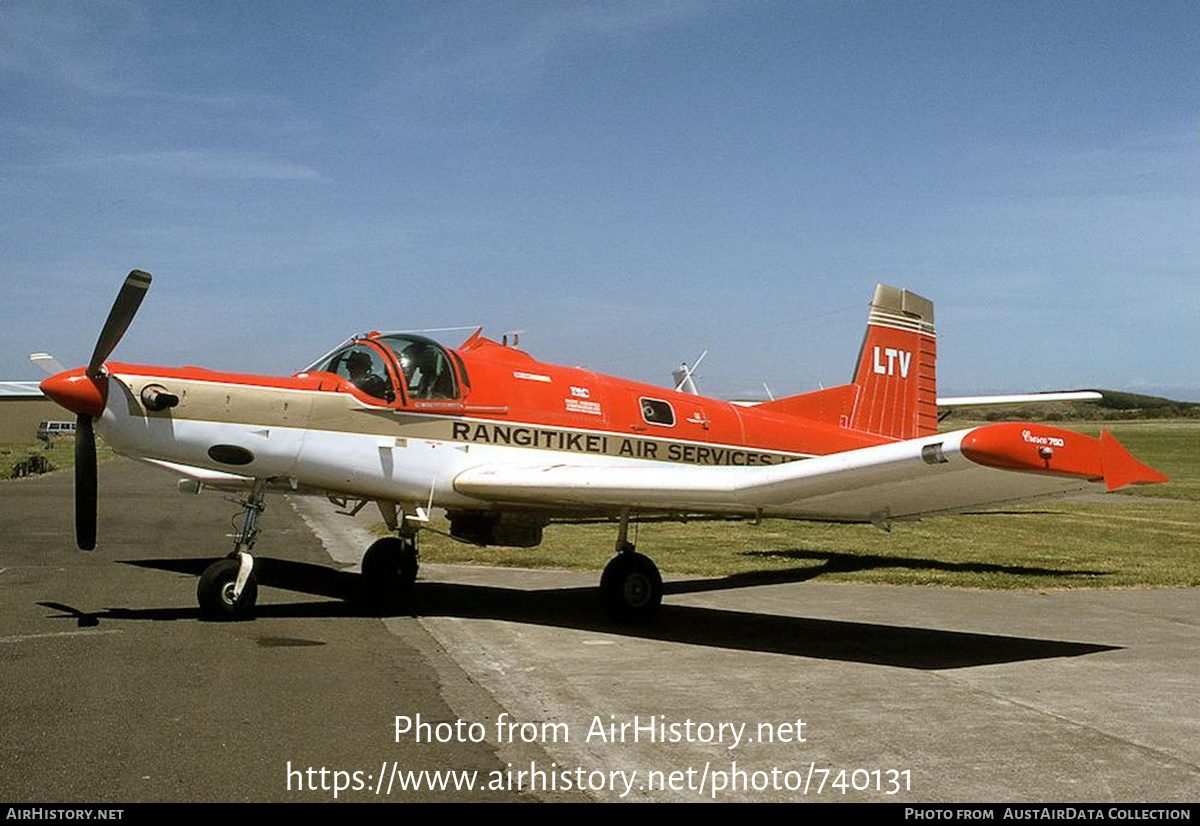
(896, 375)
(894, 392)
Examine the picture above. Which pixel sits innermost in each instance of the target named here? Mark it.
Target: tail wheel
(631, 588)
(215, 592)
(389, 568)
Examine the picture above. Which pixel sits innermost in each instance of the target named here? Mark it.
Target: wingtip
(1041, 448)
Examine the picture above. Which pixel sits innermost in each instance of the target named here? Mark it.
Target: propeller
(85, 393)
(122, 312)
(85, 483)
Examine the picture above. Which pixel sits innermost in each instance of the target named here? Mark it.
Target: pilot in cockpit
(419, 363)
(358, 365)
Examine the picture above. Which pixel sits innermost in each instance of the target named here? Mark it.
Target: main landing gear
(630, 588)
(228, 588)
(389, 568)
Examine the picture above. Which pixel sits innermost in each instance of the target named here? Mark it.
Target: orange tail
(897, 375)
(895, 384)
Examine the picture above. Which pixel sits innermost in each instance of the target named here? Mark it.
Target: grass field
(1145, 538)
(60, 454)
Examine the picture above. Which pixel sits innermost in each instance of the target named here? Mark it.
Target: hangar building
(22, 407)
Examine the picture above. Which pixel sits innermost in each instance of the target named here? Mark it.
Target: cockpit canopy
(394, 365)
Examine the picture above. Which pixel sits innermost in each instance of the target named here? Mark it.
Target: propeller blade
(46, 362)
(85, 483)
(122, 312)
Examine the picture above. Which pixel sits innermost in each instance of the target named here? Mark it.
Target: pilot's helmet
(417, 354)
(358, 360)
(420, 352)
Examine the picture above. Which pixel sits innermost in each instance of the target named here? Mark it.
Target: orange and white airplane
(506, 445)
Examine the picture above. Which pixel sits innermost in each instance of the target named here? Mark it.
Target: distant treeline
(1114, 406)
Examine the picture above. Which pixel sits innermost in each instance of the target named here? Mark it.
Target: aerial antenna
(683, 376)
(516, 337)
(432, 330)
(443, 329)
(770, 395)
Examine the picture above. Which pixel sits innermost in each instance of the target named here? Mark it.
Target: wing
(949, 472)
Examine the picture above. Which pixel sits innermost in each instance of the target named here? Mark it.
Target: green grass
(1171, 447)
(1147, 538)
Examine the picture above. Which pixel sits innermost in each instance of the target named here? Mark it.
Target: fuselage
(320, 430)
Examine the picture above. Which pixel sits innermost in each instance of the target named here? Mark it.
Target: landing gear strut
(228, 588)
(389, 568)
(630, 587)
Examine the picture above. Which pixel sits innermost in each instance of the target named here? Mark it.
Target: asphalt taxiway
(112, 689)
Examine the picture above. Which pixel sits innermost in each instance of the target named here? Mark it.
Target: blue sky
(629, 183)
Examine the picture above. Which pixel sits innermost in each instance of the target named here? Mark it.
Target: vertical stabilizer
(896, 374)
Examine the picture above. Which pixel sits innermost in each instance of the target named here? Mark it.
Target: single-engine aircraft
(506, 445)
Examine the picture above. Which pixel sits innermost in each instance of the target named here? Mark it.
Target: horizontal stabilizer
(832, 405)
(1020, 398)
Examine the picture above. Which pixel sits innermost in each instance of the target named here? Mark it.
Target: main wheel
(631, 588)
(215, 592)
(389, 569)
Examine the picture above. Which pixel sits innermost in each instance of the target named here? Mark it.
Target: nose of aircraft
(77, 391)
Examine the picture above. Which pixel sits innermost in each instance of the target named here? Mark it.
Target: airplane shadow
(834, 562)
(579, 609)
